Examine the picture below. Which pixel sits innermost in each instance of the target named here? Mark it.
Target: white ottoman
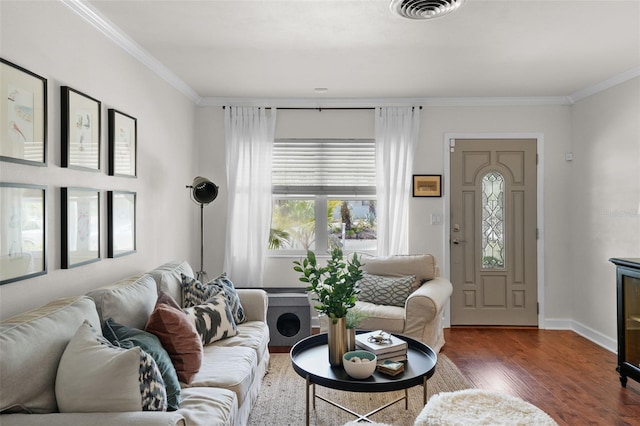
(472, 407)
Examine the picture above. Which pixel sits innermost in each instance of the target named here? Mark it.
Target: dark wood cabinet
(628, 297)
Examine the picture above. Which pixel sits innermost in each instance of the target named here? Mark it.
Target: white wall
(211, 161)
(605, 201)
(552, 122)
(50, 40)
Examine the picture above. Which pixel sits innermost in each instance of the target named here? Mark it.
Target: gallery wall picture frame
(23, 231)
(123, 144)
(81, 123)
(80, 226)
(23, 115)
(427, 185)
(121, 218)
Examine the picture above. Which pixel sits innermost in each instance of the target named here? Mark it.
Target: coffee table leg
(406, 399)
(307, 401)
(424, 390)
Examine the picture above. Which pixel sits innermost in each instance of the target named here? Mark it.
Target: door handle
(457, 241)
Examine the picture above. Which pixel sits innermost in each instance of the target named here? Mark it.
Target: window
(323, 195)
(493, 221)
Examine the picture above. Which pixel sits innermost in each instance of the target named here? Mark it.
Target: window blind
(324, 166)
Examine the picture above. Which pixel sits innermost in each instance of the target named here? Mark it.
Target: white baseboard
(583, 330)
(587, 332)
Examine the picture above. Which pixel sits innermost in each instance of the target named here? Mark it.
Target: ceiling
(274, 49)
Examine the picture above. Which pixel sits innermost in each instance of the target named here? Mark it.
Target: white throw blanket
(472, 407)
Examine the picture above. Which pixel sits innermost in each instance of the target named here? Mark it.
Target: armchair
(421, 315)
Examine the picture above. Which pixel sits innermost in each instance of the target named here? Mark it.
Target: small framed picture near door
(427, 185)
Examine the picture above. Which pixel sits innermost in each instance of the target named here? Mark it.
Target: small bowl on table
(359, 364)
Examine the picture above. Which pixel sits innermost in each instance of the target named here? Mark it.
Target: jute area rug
(282, 398)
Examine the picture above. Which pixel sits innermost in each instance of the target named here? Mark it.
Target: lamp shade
(204, 191)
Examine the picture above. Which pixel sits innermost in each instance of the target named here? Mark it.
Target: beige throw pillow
(95, 376)
(423, 266)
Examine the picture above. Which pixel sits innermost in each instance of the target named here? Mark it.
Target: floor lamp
(203, 192)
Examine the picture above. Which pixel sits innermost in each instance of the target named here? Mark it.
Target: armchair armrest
(423, 312)
(254, 302)
(437, 290)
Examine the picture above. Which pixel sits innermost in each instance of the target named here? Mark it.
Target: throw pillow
(165, 298)
(382, 290)
(127, 337)
(232, 297)
(213, 319)
(95, 376)
(178, 336)
(195, 293)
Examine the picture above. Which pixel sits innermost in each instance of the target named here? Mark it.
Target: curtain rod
(324, 108)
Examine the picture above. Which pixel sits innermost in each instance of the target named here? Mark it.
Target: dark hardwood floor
(569, 377)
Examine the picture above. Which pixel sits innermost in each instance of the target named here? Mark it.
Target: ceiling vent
(424, 9)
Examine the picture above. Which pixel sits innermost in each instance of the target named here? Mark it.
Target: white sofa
(421, 317)
(221, 393)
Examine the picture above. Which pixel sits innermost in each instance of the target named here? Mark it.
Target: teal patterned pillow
(390, 291)
(127, 337)
(213, 319)
(232, 297)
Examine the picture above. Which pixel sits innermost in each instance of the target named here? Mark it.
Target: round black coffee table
(310, 359)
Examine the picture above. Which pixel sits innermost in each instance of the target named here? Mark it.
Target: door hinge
(538, 308)
(537, 233)
(537, 159)
(452, 145)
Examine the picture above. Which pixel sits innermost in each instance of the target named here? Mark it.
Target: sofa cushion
(128, 302)
(31, 345)
(213, 319)
(232, 368)
(178, 336)
(168, 277)
(127, 337)
(251, 334)
(381, 290)
(423, 266)
(195, 293)
(95, 376)
(209, 406)
(381, 317)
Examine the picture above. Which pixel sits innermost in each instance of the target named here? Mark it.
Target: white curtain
(396, 130)
(249, 134)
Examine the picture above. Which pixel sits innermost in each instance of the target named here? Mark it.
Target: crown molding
(120, 38)
(374, 102)
(310, 102)
(604, 85)
(116, 35)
